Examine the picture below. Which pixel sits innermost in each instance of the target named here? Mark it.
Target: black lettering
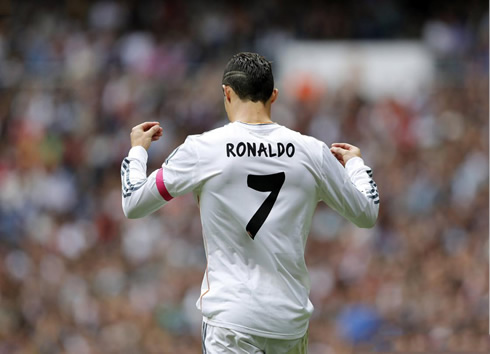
(280, 149)
(229, 150)
(268, 150)
(252, 149)
(271, 154)
(240, 149)
(262, 149)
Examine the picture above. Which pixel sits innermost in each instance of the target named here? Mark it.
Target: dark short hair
(250, 76)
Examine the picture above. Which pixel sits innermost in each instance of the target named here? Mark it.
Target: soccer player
(257, 185)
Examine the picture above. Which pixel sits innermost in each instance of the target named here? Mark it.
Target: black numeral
(264, 183)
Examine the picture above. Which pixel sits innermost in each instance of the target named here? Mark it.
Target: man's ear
(274, 95)
(227, 90)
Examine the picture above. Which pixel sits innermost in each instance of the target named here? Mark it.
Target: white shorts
(218, 340)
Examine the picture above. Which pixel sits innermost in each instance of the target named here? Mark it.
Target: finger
(148, 125)
(144, 126)
(343, 145)
(338, 151)
(153, 131)
(159, 129)
(157, 135)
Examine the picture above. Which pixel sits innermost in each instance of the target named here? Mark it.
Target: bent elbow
(368, 219)
(367, 223)
(131, 213)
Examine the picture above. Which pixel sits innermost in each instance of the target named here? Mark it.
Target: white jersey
(257, 187)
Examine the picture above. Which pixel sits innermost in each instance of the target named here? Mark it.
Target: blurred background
(407, 81)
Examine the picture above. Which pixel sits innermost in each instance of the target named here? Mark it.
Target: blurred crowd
(77, 277)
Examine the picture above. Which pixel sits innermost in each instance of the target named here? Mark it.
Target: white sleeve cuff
(353, 165)
(139, 153)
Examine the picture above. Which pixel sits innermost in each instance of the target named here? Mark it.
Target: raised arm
(178, 175)
(140, 194)
(351, 191)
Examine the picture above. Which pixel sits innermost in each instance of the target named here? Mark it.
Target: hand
(344, 152)
(144, 133)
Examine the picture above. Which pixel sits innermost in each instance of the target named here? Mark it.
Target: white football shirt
(257, 187)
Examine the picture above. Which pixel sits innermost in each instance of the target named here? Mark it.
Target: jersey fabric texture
(257, 187)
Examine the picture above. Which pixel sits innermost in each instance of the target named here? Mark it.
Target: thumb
(153, 130)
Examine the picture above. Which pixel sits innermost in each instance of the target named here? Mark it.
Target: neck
(251, 113)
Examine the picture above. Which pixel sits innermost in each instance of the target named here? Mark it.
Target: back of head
(250, 76)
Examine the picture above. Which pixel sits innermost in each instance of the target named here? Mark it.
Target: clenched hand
(344, 152)
(144, 133)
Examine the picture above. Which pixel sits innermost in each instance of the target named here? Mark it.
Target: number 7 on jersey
(264, 183)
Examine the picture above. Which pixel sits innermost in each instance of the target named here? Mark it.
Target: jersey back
(257, 190)
(257, 187)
